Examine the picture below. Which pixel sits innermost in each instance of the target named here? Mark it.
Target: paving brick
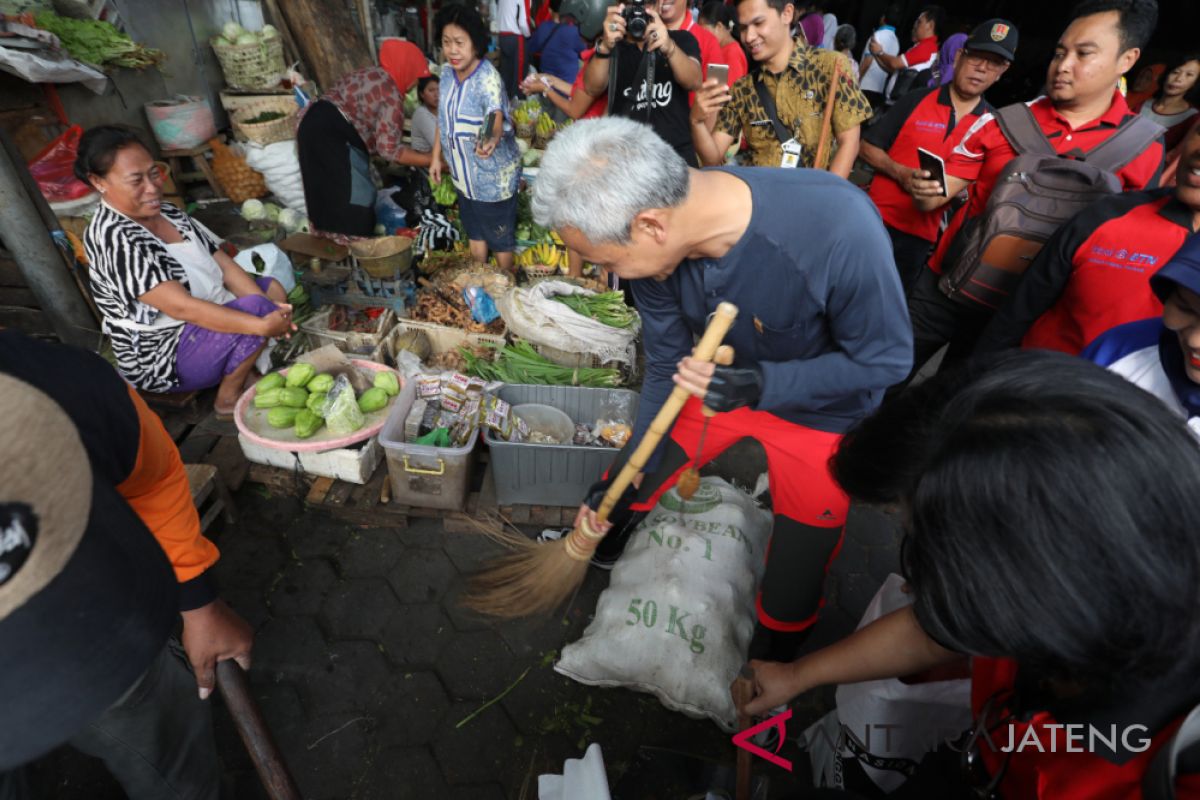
(422, 532)
(534, 636)
(313, 536)
(416, 634)
(531, 704)
(469, 550)
(485, 750)
(477, 792)
(350, 673)
(279, 701)
(422, 576)
(357, 608)
(477, 666)
(872, 527)
(400, 773)
(369, 553)
(463, 619)
(288, 647)
(248, 603)
(248, 561)
(302, 587)
(328, 755)
(408, 708)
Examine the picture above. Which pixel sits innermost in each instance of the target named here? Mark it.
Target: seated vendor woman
(181, 314)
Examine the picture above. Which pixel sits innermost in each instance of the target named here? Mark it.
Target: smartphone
(720, 72)
(488, 129)
(934, 165)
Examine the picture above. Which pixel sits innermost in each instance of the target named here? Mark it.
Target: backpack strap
(1158, 782)
(1131, 139)
(1021, 129)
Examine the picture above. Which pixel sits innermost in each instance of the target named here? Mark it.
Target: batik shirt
(370, 101)
(462, 107)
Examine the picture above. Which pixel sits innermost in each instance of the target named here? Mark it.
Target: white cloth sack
(279, 266)
(678, 613)
(533, 315)
(582, 779)
(280, 168)
(887, 719)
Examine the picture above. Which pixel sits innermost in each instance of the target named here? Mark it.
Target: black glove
(595, 495)
(734, 387)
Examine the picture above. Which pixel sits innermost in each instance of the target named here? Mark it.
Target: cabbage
(268, 32)
(221, 41)
(247, 38)
(289, 219)
(271, 211)
(232, 31)
(253, 210)
(522, 145)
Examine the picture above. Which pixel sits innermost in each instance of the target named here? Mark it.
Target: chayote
(271, 381)
(307, 423)
(321, 383)
(282, 417)
(388, 382)
(268, 398)
(299, 375)
(293, 396)
(372, 399)
(316, 403)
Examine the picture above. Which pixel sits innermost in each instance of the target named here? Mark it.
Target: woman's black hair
(423, 82)
(98, 148)
(1052, 516)
(467, 18)
(1173, 65)
(844, 38)
(716, 11)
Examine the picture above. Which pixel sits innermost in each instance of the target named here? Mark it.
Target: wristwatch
(601, 54)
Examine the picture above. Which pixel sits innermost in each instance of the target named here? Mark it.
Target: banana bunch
(522, 116)
(544, 254)
(444, 193)
(545, 125)
(554, 237)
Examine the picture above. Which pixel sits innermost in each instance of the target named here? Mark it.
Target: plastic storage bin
(554, 474)
(424, 476)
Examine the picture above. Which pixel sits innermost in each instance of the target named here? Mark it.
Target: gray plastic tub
(421, 475)
(554, 474)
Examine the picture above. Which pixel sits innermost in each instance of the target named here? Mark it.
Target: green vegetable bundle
(444, 193)
(520, 363)
(99, 43)
(606, 307)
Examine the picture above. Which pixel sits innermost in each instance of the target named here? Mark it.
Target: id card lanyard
(791, 149)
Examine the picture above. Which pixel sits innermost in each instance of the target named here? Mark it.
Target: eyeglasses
(987, 61)
(992, 716)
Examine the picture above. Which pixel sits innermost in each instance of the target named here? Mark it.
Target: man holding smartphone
(779, 106)
(924, 120)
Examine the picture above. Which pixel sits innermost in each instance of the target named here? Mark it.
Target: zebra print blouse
(127, 261)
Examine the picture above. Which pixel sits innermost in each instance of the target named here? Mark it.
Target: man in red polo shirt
(677, 17)
(925, 120)
(1082, 109)
(1094, 274)
(921, 56)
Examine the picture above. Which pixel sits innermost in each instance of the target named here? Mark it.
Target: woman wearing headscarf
(943, 70)
(360, 116)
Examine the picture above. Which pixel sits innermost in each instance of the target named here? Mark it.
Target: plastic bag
(483, 308)
(53, 169)
(342, 414)
(279, 266)
(614, 423)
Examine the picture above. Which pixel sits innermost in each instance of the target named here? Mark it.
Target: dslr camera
(636, 19)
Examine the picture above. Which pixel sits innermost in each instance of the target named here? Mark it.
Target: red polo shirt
(1093, 274)
(598, 106)
(733, 55)
(984, 151)
(922, 54)
(710, 48)
(1065, 773)
(922, 119)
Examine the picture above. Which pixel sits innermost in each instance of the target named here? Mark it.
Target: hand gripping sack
(1035, 194)
(678, 613)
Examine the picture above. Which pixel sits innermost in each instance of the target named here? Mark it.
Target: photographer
(634, 41)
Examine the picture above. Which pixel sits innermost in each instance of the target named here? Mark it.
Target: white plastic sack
(678, 614)
(582, 779)
(278, 265)
(533, 315)
(887, 719)
(280, 168)
(49, 67)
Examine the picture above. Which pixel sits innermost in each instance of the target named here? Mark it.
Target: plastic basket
(443, 338)
(552, 474)
(422, 475)
(182, 123)
(252, 66)
(264, 133)
(361, 344)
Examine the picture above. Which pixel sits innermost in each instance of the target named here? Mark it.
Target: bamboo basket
(264, 133)
(252, 66)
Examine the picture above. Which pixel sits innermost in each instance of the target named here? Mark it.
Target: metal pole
(26, 236)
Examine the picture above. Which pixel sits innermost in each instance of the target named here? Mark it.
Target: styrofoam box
(350, 464)
(554, 474)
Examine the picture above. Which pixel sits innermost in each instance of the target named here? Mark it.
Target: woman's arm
(890, 647)
(435, 156)
(412, 158)
(236, 279)
(175, 301)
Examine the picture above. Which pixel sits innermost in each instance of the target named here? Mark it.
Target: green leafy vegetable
(99, 43)
(606, 307)
(520, 363)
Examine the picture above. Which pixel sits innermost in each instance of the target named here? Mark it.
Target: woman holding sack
(360, 116)
(181, 314)
(484, 161)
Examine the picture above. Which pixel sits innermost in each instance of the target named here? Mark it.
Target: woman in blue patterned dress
(485, 165)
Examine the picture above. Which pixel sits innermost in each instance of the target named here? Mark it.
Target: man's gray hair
(597, 175)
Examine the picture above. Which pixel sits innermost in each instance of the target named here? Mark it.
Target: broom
(537, 578)
(827, 121)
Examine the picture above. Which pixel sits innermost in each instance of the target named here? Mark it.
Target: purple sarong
(204, 357)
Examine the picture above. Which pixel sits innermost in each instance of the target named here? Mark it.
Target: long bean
(606, 307)
(520, 363)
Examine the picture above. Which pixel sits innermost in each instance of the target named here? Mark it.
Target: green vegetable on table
(316, 403)
(388, 382)
(373, 399)
(267, 398)
(96, 42)
(520, 363)
(269, 381)
(282, 416)
(307, 424)
(266, 116)
(606, 307)
(293, 396)
(321, 383)
(299, 375)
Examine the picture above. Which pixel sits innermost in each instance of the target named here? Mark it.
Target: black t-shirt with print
(668, 111)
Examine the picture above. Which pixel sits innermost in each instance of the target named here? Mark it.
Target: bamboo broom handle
(720, 324)
(827, 122)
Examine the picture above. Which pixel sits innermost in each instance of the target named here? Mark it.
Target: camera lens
(636, 27)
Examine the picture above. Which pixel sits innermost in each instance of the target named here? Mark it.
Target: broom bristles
(534, 579)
